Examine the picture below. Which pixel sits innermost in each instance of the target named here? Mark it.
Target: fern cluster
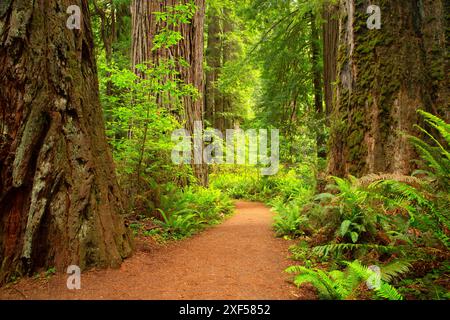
(184, 212)
(342, 285)
(379, 218)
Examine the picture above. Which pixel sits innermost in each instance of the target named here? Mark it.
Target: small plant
(50, 272)
(184, 212)
(180, 223)
(288, 220)
(435, 154)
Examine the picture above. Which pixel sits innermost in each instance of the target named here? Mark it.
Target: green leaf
(354, 236)
(345, 225)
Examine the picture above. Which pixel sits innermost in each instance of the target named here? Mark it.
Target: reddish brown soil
(239, 259)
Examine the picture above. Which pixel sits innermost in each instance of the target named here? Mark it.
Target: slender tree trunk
(214, 62)
(144, 29)
(330, 46)
(317, 84)
(383, 77)
(230, 49)
(108, 35)
(60, 203)
(316, 68)
(222, 49)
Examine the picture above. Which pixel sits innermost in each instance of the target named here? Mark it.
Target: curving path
(239, 259)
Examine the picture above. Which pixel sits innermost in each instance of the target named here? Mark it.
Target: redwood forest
(224, 150)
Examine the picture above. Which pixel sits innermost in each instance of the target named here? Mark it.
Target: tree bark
(230, 49)
(318, 87)
(383, 77)
(330, 45)
(190, 48)
(60, 203)
(213, 102)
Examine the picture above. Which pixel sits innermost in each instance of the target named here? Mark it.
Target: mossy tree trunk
(60, 203)
(383, 77)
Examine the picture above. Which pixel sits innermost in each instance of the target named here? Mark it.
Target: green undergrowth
(183, 213)
(246, 182)
(400, 224)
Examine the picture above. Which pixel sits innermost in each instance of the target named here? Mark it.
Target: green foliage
(283, 53)
(173, 16)
(380, 218)
(341, 285)
(288, 220)
(339, 249)
(268, 80)
(246, 182)
(142, 109)
(435, 154)
(180, 223)
(50, 272)
(183, 213)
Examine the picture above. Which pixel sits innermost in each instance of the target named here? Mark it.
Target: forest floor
(238, 259)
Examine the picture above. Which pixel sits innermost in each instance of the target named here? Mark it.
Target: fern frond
(318, 278)
(339, 248)
(394, 270)
(371, 178)
(437, 123)
(307, 278)
(387, 291)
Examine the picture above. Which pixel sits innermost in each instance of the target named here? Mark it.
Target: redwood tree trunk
(318, 87)
(330, 44)
(383, 77)
(145, 27)
(230, 53)
(60, 203)
(213, 101)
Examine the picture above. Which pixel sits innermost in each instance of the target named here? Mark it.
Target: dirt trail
(239, 259)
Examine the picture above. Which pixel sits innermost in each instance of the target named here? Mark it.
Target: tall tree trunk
(317, 84)
(230, 49)
(190, 48)
(221, 49)
(330, 46)
(60, 203)
(383, 77)
(214, 62)
(108, 35)
(144, 29)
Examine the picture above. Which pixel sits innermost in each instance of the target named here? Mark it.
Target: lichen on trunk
(60, 203)
(383, 77)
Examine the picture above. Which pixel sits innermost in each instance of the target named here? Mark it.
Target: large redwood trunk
(383, 77)
(59, 200)
(145, 27)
